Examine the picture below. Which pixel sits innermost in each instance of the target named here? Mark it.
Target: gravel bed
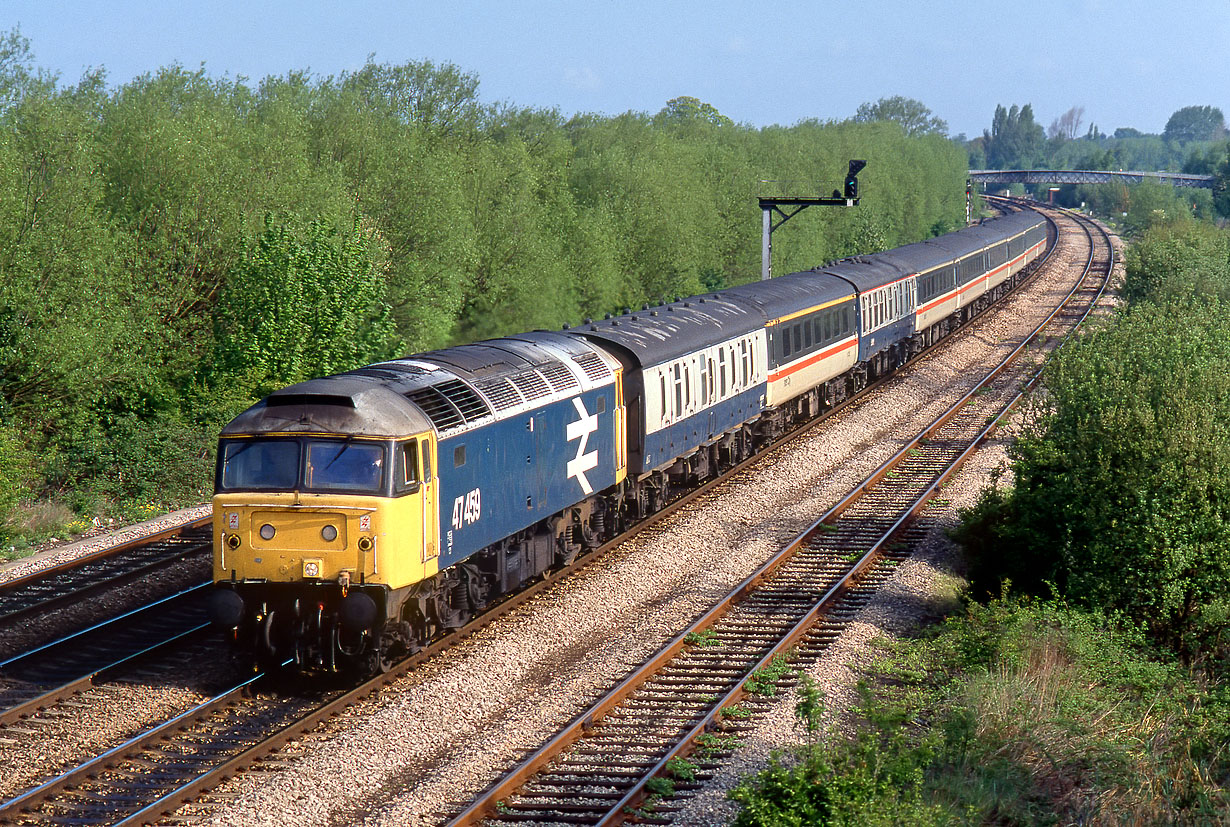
(447, 731)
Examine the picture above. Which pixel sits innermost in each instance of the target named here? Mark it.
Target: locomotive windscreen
(288, 464)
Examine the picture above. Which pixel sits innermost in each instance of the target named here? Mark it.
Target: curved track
(686, 700)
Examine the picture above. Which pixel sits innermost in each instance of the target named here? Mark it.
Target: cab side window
(408, 476)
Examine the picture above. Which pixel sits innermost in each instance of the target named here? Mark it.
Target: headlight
(311, 568)
(267, 532)
(329, 533)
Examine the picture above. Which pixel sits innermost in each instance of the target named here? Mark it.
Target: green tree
(301, 303)
(1015, 140)
(1195, 123)
(914, 116)
(688, 109)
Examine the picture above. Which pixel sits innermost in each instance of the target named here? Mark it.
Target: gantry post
(769, 206)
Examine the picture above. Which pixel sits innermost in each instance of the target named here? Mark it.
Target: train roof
(342, 405)
(865, 272)
(658, 334)
(791, 293)
(934, 252)
(452, 389)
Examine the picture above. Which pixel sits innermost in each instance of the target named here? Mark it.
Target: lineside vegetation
(1092, 684)
(174, 247)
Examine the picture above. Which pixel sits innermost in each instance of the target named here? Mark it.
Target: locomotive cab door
(417, 486)
(431, 514)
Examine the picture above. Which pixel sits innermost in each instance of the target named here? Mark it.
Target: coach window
(678, 392)
(687, 385)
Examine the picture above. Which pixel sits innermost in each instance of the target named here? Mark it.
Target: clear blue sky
(1128, 63)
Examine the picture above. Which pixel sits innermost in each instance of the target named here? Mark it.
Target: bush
(15, 472)
(1122, 481)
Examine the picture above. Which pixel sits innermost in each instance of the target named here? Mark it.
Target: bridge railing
(1078, 176)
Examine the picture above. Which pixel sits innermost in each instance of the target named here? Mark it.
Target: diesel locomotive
(359, 516)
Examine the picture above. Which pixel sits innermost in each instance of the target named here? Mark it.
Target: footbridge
(1078, 176)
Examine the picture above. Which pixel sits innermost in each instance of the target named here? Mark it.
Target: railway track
(45, 677)
(81, 579)
(629, 754)
(127, 768)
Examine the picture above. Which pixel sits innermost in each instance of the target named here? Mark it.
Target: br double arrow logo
(581, 429)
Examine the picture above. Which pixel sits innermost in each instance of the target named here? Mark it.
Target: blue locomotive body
(502, 477)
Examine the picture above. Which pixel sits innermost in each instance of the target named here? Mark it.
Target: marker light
(267, 532)
(329, 533)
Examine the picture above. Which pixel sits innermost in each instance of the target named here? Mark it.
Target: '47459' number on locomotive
(467, 508)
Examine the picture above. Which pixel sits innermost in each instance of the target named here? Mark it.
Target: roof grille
(449, 404)
(532, 385)
(594, 367)
(501, 393)
(560, 377)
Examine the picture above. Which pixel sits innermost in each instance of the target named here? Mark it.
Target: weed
(705, 638)
(736, 713)
(810, 706)
(764, 680)
(660, 787)
(713, 744)
(681, 768)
